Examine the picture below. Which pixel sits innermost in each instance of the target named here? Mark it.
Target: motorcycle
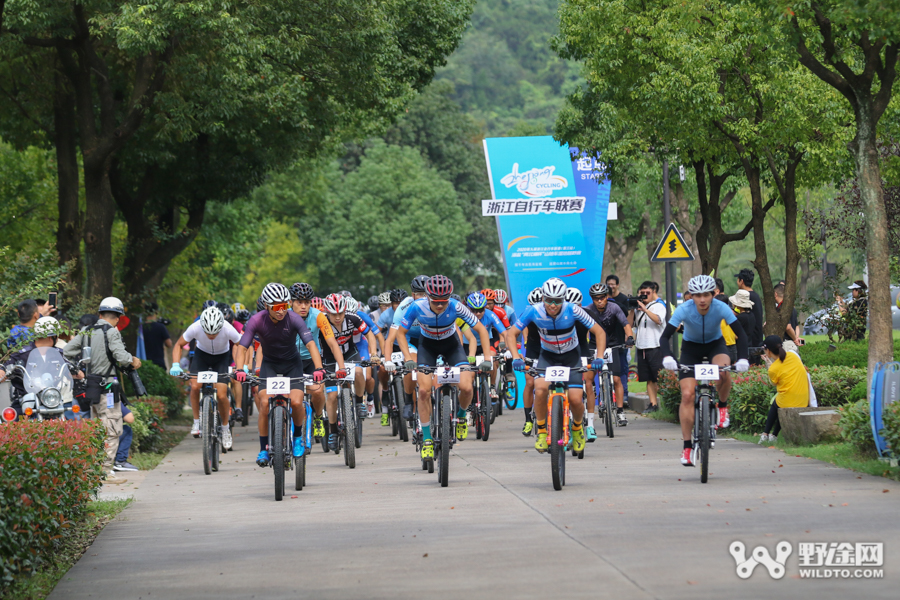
(48, 386)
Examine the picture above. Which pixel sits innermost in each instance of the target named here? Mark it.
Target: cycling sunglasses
(553, 301)
(279, 306)
(442, 302)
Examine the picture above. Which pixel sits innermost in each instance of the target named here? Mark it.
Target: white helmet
(535, 296)
(46, 327)
(212, 320)
(384, 298)
(352, 306)
(274, 293)
(701, 284)
(112, 304)
(554, 288)
(573, 296)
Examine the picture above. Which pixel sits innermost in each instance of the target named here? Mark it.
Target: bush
(856, 427)
(48, 472)
(669, 391)
(891, 430)
(159, 383)
(149, 413)
(834, 385)
(750, 399)
(845, 354)
(859, 392)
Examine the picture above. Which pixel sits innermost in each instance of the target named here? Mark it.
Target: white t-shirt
(219, 345)
(647, 333)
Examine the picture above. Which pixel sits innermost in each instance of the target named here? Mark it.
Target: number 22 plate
(706, 372)
(557, 374)
(278, 385)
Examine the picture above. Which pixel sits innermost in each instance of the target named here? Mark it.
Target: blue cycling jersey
(385, 319)
(491, 320)
(436, 326)
(314, 330)
(702, 329)
(415, 331)
(558, 333)
(510, 314)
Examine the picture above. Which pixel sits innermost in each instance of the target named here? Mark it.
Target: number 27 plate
(208, 377)
(706, 372)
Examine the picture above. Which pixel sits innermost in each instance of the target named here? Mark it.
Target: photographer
(649, 322)
(107, 353)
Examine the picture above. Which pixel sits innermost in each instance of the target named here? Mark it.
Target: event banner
(551, 207)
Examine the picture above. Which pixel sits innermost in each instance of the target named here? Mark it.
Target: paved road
(630, 523)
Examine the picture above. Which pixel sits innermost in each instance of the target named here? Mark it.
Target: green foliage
(49, 470)
(669, 392)
(859, 392)
(159, 384)
(280, 260)
(846, 353)
(856, 427)
(891, 430)
(147, 428)
(751, 396)
(28, 197)
(834, 385)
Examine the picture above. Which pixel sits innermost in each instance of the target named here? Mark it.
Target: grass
(663, 414)
(72, 546)
(146, 461)
(637, 387)
(824, 338)
(840, 454)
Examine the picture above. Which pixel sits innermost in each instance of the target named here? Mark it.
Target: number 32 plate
(557, 374)
(706, 372)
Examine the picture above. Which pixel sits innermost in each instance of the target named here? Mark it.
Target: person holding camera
(649, 322)
(102, 348)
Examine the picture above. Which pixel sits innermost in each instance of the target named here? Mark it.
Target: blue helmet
(476, 301)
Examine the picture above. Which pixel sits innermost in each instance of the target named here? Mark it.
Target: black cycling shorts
(287, 368)
(649, 364)
(693, 353)
(533, 342)
(450, 348)
(203, 361)
(571, 359)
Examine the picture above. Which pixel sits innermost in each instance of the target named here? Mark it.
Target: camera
(139, 389)
(759, 351)
(632, 302)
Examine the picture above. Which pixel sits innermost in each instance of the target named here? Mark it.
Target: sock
(407, 398)
(542, 426)
(357, 399)
(370, 398)
(590, 420)
(461, 413)
(528, 416)
(197, 422)
(722, 404)
(263, 442)
(576, 426)
(332, 428)
(426, 432)
(687, 444)
(619, 409)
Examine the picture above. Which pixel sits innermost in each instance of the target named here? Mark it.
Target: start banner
(551, 206)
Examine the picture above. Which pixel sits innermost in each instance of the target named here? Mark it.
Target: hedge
(149, 412)
(49, 470)
(845, 354)
(159, 383)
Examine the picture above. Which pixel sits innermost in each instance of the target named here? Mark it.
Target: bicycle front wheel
(446, 429)
(246, 403)
(277, 445)
(347, 418)
(400, 401)
(486, 417)
(206, 420)
(299, 472)
(704, 437)
(511, 393)
(557, 449)
(609, 410)
(216, 441)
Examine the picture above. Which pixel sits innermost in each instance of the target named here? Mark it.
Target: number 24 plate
(706, 372)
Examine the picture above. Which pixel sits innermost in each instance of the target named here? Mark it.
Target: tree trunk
(758, 218)
(100, 212)
(711, 237)
(68, 233)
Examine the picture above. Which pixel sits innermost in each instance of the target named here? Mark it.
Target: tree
(386, 222)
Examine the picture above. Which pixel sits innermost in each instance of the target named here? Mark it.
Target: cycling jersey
(343, 335)
(612, 320)
(491, 321)
(436, 326)
(702, 329)
(221, 344)
(385, 319)
(316, 321)
(500, 313)
(415, 331)
(510, 313)
(558, 333)
(277, 337)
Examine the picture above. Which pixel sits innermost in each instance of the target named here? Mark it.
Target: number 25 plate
(557, 374)
(706, 372)
(448, 375)
(207, 377)
(278, 385)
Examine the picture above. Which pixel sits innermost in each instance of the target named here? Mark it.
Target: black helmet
(397, 295)
(372, 302)
(221, 306)
(417, 285)
(302, 291)
(229, 315)
(243, 315)
(456, 297)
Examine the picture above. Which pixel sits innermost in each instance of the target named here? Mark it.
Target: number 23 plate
(706, 372)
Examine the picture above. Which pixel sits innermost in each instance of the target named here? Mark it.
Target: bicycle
(608, 393)
(508, 386)
(703, 436)
(558, 422)
(397, 398)
(345, 386)
(445, 399)
(281, 431)
(210, 419)
(347, 417)
(482, 407)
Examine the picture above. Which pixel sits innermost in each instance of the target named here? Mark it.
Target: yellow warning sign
(672, 247)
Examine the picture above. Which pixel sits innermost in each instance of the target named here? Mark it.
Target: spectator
(612, 282)
(649, 322)
(745, 282)
(743, 309)
(156, 336)
(727, 331)
(125, 439)
(103, 390)
(856, 312)
(787, 372)
(791, 330)
(28, 312)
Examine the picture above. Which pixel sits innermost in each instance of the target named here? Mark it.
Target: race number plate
(584, 361)
(557, 374)
(397, 358)
(607, 355)
(706, 372)
(351, 371)
(207, 377)
(278, 385)
(447, 375)
(481, 358)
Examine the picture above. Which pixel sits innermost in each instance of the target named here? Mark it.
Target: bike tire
(490, 400)
(324, 438)
(609, 411)
(487, 411)
(557, 450)
(246, 404)
(299, 472)
(277, 449)
(704, 437)
(446, 428)
(347, 417)
(511, 390)
(216, 441)
(399, 399)
(358, 423)
(206, 418)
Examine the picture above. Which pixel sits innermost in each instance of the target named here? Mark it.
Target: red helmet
(335, 303)
(501, 296)
(439, 287)
(489, 294)
(318, 303)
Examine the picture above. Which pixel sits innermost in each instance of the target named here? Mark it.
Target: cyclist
(618, 331)
(532, 352)
(362, 344)
(277, 329)
(437, 316)
(500, 300)
(213, 352)
(555, 319)
(701, 317)
(301, 302)
(345, 327)
(477, 303)
(400, 301)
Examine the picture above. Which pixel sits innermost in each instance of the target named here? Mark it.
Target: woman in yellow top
(787, 372)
